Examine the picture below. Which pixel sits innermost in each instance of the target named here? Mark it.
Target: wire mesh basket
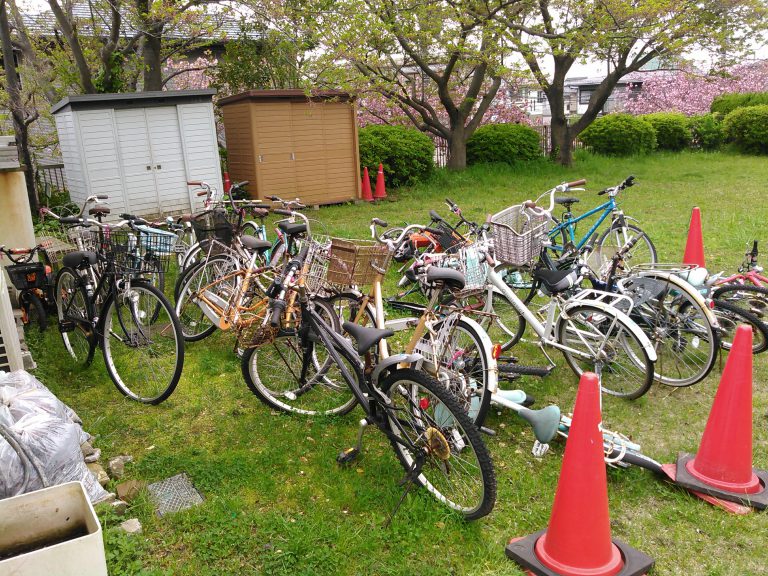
(253, 328)
(216, 224)
(144, 250)
(474, 269)
(59, 243)
(316, 265)
(357, 262)
(518, 235)
(438, 348)
(448, 239)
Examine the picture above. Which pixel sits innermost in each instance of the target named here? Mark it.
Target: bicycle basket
(216, 224)
(356, 262)
(316, 265)
(518, 235)
(447, 238)
(474, 270)
(144, 250)
(27, 276)
(253, 328)
(60, 243)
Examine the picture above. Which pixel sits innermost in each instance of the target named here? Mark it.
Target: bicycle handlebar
(283, 212)
(613, 190)
(388, 241)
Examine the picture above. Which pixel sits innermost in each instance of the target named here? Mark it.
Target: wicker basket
(518, 235)
(357, 262)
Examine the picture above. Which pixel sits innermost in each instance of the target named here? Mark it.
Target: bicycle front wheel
(75, 313)
(729, 316)
(296, 374)
(599, 341)
(613, 239)
(143, 349)
(508, 326)
(435, 439)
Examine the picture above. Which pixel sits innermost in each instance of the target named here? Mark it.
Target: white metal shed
(139, 148)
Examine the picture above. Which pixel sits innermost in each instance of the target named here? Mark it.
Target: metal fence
(50, 180)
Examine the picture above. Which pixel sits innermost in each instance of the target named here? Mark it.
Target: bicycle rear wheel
(143, 350)
(613, 239)
(753, 299)
(508, 326)
(601, 342)
(434, 437)
(75, 314)
(729, 316)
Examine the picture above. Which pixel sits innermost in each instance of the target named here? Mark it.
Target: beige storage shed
(291, 145)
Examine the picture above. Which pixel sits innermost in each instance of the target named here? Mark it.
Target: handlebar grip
(70, 220)
(202, 193)
(277, 310)
(603, 192)
(379, 222)
(102, 196)
(194, 182)
(241, 184)
(628, 246)
(754, 249)
(435, 231)
(273, 198)
(20, 250)
(630, 181)
(262, 206)
(128, 217)
(591, 244)
(283, 212)
(576, 183)
(450, 203)
(140, 222)
(529, 204)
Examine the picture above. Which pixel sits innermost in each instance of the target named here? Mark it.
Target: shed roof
(294, 94)
(134, 99)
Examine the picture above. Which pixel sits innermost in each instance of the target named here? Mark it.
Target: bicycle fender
(393, 361)
(628, 322)
(493, 368)
(684, 286)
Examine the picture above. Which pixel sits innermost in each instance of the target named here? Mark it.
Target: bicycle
(617, 235)
(433, 438)
(34, 282)
(123, 314)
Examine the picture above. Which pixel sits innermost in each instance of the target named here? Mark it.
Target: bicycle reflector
(496, 351)
(424, 403)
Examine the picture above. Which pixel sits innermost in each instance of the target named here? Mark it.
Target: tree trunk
(457, 147)
(561, 141)
(68, 30)
(16, 106)
(153, 65)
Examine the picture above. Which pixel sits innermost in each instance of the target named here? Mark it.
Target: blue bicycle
(565, 241)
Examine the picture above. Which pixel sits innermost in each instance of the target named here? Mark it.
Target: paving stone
(128, 490)
(132, 526)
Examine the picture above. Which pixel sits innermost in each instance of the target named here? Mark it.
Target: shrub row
(727, 103)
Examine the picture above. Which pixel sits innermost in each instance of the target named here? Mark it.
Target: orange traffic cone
(380, 191)
(723, 466)
(366, 186)
(227, 183)
(578, 540)
(694, 247)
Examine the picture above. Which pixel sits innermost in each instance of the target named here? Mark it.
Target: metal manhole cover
(174, 494)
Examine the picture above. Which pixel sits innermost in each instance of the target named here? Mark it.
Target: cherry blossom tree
(691, 92)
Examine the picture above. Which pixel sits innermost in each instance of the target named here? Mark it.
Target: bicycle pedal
(488, 431)
(347, 456)
(66, 326)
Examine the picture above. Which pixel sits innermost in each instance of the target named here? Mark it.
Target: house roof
(133, 99)
(295, 94)
(44, 24)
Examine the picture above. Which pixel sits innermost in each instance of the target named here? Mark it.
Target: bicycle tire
(32, 310)
(195, 325)
(639, 459)
(466, 376)
(729, 316)
(617, 341)
(508, 325)
(615, 237)
(126, 334)
(80, 341)
(273, 373)
(754, 299)
(678, 326)
(524, 370)
(425, 401)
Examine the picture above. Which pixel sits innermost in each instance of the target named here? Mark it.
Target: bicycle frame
(569, 225)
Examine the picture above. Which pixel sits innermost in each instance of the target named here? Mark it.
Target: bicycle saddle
(365, 336)
(253, 243)
(99, 210)
(186, 218)
(292, 228)
(80, 260)
(555, 281)
(566, 201)
(452, 278)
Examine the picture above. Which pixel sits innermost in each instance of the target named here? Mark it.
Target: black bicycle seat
(365, 336)
(555, 281)
(79, 260)
(566, 201)
(450, 277)
(253, 243)
(292, 228)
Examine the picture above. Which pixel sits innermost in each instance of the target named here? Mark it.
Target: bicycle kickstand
(409, 481)
(351, 454)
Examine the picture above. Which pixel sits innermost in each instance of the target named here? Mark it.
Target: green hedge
(747, 128)
(508, 143)
(619, 135)
(706, 132)
(672, 131)
(727, 103)
(407, 153)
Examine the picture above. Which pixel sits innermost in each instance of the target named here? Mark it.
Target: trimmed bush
(508, 143)
(706, 132)
(619, 135)
(748, 129)
(407, 154)
(727, 103)
(672, 132)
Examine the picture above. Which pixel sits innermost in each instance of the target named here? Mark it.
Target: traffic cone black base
(522, 551)
(685, 479)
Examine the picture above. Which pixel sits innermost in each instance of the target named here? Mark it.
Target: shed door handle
(158, 167)
(261, 158)
(149, 167)
(293, 156)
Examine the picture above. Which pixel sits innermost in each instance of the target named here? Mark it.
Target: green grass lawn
(276, 502)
